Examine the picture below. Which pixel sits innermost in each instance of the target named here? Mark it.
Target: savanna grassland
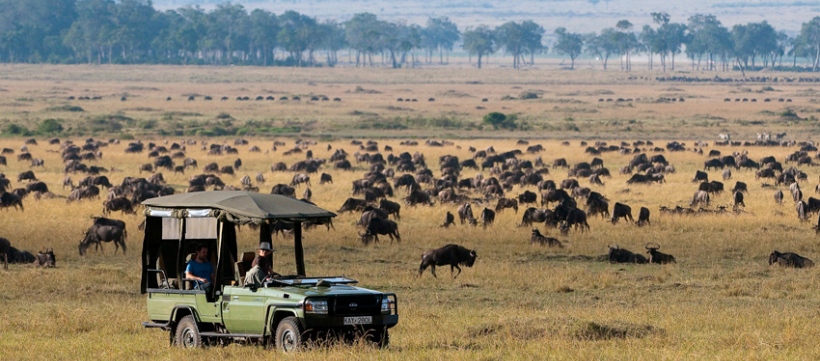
(720, 301)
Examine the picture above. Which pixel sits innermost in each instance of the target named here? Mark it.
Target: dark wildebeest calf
(789, 259)
(451, 254)
(46, 258)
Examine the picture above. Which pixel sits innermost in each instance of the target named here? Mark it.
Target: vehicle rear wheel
(289, 335)
(187, 333)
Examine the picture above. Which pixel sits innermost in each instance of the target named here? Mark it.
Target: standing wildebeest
(778, 196)
(390, 207)
(465, 212)
(97, 234)
(526, 197)
(727, 174)
(738, 200)
(378, 226)
(284, 190)
(449, 220)
(620, 210)
(620, 255)
(5, 245)
(713, 163)
(504, 203)
(352, 204)
(10, 200)
(658, 257)
(487, 217)
(299, 179)
(27, 175)
(538, 238)
(789, 259)
(701, 197)
(451, 254)
(643, 216)
(418, 197)
(118, 204)
(740, 187)
(700, 176)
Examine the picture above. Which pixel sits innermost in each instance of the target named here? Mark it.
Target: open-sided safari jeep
(285, 312)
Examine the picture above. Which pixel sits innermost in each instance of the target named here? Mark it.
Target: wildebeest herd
(393, 179)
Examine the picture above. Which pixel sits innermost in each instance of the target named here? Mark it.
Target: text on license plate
(360, 320)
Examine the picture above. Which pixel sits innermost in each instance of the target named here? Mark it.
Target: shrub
(15, 129)
(50, 126)
(500, 120)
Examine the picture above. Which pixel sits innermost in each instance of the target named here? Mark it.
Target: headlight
(388, 305)
(318, 307)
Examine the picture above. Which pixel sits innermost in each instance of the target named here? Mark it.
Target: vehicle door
(243, 310)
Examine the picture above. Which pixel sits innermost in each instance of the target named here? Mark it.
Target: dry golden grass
(721, 300)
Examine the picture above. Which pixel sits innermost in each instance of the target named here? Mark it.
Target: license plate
(361, 320)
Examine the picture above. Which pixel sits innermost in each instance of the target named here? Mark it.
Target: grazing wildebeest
(765, 173)
(5, 245)
(418, 197)
(465, 212)
(658, 257)
(538, 238)
(451, 254)
(27, 175)
(97, 234)
(504, 203)
(700, 176)
(620, 255)
(487, 217)
(643, 217)
(325, 178)
(352, 204)
(379, 226)
(740, 187)
(789, 259)
(46, 259)
(284, 190)
(620, 210)
(10, 200)
(713, 163)
(118, 204)
(449, 220)
(299, 179)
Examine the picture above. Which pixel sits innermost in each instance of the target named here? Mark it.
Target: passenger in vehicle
(258, 273)
(265, 251)
(200, 269)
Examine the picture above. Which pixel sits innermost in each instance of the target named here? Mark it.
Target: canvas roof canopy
(241, 206)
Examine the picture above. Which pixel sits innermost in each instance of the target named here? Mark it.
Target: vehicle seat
(243, 265)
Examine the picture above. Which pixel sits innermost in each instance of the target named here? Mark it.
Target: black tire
(289, 336)
(187, 333)
(380, 337)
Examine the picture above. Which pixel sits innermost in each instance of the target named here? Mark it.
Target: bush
(14, 129)
(500, 120)
(50, 126)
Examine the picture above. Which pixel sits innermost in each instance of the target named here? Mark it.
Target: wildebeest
(418, 197)
(538, 238)
(451, 254)
(449, 220)
(45, 258)
(10, 200)
(325, 178)
(740, 187)
(118, 204)
(620, 210)
(487, 217)
(643, 217)
(738, 197)
(284, 190)
(789, 259)
(98, 233)
(352, 204)
(299, 179)
(700, 197)
(727, 173)
(27, 175)
(465, 212)
(378, 226)
(390, 207)
(621, 255)
(658, 257)
(778, 196)
(504, 203)
(700, 176)
(5, 245)
(526, 197)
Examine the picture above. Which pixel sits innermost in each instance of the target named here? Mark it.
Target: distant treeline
(133, 32)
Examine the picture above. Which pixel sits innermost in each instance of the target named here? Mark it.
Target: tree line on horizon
(133, 32)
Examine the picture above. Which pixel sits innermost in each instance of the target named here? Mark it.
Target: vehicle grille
(357, 305)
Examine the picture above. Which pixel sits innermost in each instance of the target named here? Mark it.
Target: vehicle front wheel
(289, 335)
(380, 337)
(187, 333)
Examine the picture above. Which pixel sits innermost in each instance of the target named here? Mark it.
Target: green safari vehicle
(285, 312)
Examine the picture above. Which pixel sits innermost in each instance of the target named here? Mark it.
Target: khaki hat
(265, 246)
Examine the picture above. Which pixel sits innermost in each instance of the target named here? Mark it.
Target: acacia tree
(520, 38)
(439, 34)
(263, 29)
(810, 38)
(602, 46)
(570, 44)
(363, 34)
(479, 41)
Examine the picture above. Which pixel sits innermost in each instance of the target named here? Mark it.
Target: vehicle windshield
(311, 281)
